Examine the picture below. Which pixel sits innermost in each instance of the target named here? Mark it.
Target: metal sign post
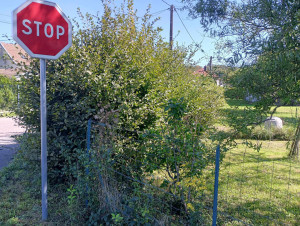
(43, 107)
(43, 31)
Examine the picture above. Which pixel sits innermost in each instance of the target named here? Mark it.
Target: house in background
(203, 72)
(10, 56)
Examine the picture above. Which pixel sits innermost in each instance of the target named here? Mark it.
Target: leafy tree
(264, 34)
(253, 27)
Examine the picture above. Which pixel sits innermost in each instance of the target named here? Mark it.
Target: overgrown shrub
(176, 149)
(8, 93)
(261, 133)
(120, 73)
(235, 93)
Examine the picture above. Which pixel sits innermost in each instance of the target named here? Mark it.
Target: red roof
(8, 72)
(16, 53)
(201, 71)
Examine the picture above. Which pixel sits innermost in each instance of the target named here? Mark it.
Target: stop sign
(42, 29)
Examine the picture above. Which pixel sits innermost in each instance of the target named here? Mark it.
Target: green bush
(8, 93)
(120, 73)
(235, 93)
(261, 133)
(177, 151)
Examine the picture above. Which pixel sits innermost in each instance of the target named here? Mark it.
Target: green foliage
(119, 72)
(72, 195)
(264, 34)
(252, 26)
(274, 79)
(7, 114)
(177, 150)
(254, 185)
(260, 133)
(143, 101)
(117, 219)
(209, 11)
(275, 176)
(263, 38)
(175, 145)
(8, 93)
(235, 93)
(202, 97)
(19, 191)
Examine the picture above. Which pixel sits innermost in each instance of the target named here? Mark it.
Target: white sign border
(21, 43)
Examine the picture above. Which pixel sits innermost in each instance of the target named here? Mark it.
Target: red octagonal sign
(42, 29)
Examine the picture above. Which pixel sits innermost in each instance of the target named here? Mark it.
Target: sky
(186, 30)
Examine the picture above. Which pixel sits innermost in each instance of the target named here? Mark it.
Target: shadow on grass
(260, 157)
(261, 212)
(239, 103)
(236, 109)
(240, 112)
(236, 211)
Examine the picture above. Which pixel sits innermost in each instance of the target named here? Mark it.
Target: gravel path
(8, 145)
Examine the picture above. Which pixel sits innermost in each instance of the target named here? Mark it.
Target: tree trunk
(294, 152)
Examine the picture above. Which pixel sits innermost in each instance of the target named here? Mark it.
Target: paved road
(8, 145)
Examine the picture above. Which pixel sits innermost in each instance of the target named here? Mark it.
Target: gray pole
(171, 26)
(43, 138)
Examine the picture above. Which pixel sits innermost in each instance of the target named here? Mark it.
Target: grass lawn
(240, 109)
(257, 188)
(20, 194)
(289, 114)
(260, 188)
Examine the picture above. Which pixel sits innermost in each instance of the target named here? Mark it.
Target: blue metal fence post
(88, 147)
(215, 208)
(88, 137)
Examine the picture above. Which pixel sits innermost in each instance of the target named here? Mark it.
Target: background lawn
(260, 188)
(289, 114)
(257, 188)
